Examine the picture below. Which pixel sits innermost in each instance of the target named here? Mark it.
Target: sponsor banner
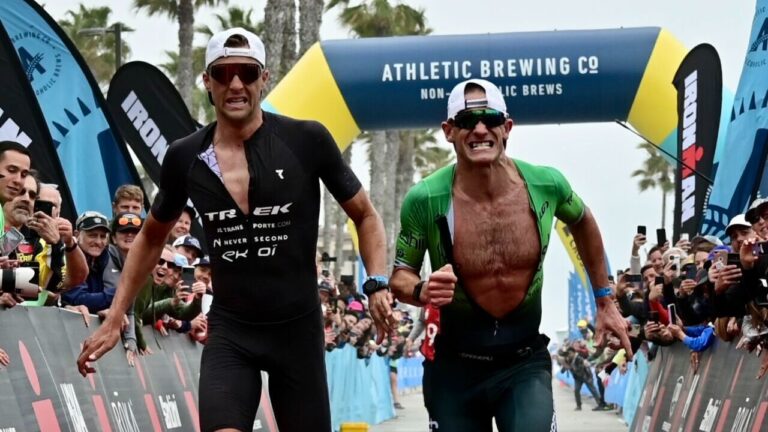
(149, 112)
(150, 115)
(22, 121)
(581, 305)
(738, 175)
(42, 390)
(722, 395)
(546, 77)
(699, 84)
(94, 157)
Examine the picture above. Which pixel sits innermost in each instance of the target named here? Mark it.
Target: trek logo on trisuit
(258, 211)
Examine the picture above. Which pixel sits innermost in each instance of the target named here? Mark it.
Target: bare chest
(234, 174)
(496, 240)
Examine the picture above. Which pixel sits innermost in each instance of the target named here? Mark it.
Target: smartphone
(188, 277)
(44, 206)
(611, 278)
(10, 241)
(685, 236)
(721, 258)
(653, 316)
(635, 279)
(641, 229)
(672, 309)
(675, 259)
(661, 236)
(760, 248)
(659, 280)
(734, 259)
(690, 271)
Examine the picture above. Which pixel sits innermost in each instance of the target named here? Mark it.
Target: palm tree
(379, 18)
(201, 108)
(310, 19)
(98, 51)
(183, 11)
(429, 156)
(656, 173)
(235, 17)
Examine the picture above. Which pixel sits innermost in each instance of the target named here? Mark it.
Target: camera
(23, 281)
(326, 260)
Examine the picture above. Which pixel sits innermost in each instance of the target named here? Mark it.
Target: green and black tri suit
(472, 344)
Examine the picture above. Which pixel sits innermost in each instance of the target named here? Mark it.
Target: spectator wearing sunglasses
(466, 216)
(125, 227)
(155, 299)
(254, 178)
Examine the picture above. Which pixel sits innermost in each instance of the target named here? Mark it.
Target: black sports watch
(375, 284)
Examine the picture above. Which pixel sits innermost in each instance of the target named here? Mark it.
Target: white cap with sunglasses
(217, 50)
(493, 98)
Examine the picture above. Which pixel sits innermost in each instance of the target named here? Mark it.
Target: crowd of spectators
(691, 293)
(77, 267)
(56, 264)
(348, 323)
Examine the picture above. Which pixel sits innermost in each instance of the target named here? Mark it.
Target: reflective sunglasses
(470, 118)
(129, 220)
(225, 73)
(170, 264)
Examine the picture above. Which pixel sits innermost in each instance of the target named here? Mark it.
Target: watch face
(369, 285)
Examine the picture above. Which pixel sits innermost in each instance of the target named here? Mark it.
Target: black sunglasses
(470, 118)
(170, 264)
(225, 73)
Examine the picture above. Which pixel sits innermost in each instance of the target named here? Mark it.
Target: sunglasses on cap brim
(224, 73)
(469, 119)
(129, 221)
(170, 264)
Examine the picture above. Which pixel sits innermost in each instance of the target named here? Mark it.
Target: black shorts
(463, 394)
(292, 353)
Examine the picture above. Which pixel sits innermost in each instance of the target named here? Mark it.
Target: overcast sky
(596, 158)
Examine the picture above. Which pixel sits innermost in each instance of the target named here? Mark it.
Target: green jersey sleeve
(570, 208)
(414, 225)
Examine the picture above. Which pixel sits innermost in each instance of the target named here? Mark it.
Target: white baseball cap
(216, 48)
(738, 221)
(493, 98)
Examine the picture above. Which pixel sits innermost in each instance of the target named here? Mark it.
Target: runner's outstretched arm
(142, 258)
(589, 242)
(373, 249)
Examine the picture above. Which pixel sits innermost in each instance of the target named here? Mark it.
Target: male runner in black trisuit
(253, 177)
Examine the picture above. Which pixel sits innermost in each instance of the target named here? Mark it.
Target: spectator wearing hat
(183, 224)
(92, 229)
(188, 246)
(125, 227)
(105, 264)
(739, 230)
(757, 215)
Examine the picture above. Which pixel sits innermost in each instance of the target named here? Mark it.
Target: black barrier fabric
(41, 389)
(699, 84)
(150, 114)
(22, 121)
(724, 395)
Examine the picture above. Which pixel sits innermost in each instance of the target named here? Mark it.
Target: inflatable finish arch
(546, 77)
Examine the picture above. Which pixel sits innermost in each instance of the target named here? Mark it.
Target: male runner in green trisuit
(486, 222)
